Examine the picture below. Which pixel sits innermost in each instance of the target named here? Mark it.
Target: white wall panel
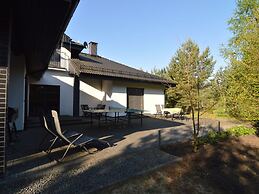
(153, 97)
(91, 92)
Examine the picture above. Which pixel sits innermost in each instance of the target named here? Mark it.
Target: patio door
(135, 98)
(43, 98)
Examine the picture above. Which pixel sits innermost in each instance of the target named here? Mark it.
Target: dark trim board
(76, 96)
(26, 85)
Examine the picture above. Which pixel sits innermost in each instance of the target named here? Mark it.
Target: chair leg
(85, 149)
(65, 152)
(52, 144)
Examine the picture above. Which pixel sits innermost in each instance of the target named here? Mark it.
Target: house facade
(90, 79)
(34, 80)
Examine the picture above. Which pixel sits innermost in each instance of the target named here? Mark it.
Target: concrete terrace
(134, 151)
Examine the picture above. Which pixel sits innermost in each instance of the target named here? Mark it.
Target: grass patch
(213, 136)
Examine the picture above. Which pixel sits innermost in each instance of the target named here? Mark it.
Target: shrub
(241, 130)
(213, 136)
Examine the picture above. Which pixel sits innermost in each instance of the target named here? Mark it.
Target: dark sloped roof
(97, 65)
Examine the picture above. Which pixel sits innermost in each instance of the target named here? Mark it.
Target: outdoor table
(130, 112)
(116, 112)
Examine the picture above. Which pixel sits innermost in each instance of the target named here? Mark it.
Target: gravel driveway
(135, 151)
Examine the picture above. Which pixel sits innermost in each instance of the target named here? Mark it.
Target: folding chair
(79, 141)
(46, 123)
(158, 110)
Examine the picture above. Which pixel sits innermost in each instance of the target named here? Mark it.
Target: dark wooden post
(159, 138)
(76, 96)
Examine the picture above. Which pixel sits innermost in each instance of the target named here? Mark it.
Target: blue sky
(146, 33)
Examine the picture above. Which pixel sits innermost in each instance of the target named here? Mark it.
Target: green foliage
(218, 85)
(159, 72)
(171, 98)
(213, 136)
(190, 69)
(242, 75)
(241, 130)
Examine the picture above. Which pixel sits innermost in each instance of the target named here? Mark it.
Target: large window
(135, 98)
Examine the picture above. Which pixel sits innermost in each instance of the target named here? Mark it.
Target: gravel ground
(135, 152)
(85, 174)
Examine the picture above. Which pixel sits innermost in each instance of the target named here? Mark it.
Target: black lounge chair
(80, 141)
(48, 126)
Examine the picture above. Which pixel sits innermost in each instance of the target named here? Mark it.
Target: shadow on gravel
(83, 173)
(80, 172)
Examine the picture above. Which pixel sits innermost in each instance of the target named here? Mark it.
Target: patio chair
(158, 110)
(185, 113)
(79, 141)
(46, 123)
(162, 106)
(84, 107)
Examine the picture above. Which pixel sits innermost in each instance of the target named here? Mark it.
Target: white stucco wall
(90, 92)
(65, 55)
(114, 93)
(153, 96)
(119, 97)
(66, 83)
(16, 86)
(94, 91)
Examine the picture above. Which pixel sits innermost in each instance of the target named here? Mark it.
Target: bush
(213, 136)
(241, 130)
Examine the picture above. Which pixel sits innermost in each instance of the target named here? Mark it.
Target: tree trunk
(195, 144)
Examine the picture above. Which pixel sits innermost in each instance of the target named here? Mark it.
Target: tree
(191, 69)
(171, 98)
(159, 72)
(242, 75)
(216, 91)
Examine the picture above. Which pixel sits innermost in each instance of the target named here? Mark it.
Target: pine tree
(191, 69)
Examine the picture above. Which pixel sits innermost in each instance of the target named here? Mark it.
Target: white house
(74, 78)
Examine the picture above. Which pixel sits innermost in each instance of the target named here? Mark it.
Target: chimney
(93, 48)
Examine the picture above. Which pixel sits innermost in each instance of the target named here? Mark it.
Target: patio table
(130, 113)
(172, 111)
